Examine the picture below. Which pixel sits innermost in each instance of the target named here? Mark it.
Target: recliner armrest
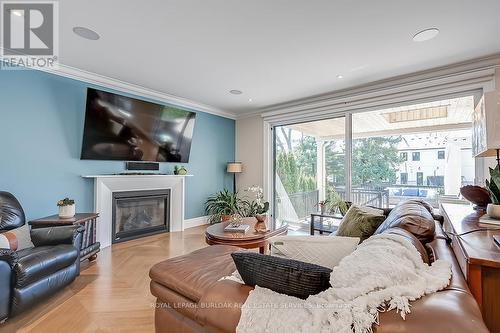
(58, 235)
(8, 256)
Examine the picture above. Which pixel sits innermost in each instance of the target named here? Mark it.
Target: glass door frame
(272, 154)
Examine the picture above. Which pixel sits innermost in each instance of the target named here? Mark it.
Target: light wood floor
(111, 294)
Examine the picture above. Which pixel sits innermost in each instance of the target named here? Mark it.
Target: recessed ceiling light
(249, 100)
(18, 12)
(340, 76)
(425, 35)
(86, 33)
(236, 92)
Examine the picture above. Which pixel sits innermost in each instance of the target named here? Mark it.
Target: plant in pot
(493, 186)
(66, 208)
(257, 208)
(222, 206)
(322, 205)
(337, 203)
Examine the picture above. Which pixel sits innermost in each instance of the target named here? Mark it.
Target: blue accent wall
(41, 129)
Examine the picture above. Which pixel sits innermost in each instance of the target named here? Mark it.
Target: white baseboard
(195, 222)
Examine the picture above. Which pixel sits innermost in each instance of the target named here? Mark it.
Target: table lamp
(234, 168)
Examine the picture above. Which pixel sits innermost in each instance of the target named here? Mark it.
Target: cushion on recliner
(37, 262)
(413, 217)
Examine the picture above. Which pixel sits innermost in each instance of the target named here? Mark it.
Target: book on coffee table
(236, 227)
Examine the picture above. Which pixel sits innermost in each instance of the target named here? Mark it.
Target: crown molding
(127, 87)
(134, 89)
(465, 76)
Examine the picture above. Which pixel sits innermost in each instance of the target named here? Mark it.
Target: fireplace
(140, 213)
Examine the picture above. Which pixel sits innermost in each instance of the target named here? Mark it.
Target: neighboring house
(431, 159)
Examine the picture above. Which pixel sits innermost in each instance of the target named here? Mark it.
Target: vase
(67, 212)
(493, 211)
(261, 226)
(225, 218)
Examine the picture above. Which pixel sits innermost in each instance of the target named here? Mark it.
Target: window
(312, 161)
(404, 178)
(420, 178)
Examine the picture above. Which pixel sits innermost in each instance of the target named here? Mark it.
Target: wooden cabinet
(478, 256)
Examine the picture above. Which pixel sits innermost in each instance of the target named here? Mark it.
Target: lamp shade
(234, 167)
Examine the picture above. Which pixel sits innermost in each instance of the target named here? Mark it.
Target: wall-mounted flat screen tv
(123, 128)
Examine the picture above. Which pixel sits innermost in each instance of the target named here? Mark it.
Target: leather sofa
(190, 297)
(30, 275)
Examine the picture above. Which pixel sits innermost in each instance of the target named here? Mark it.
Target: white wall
(249, 151)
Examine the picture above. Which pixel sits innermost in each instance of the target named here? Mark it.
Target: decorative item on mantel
(67, 208)
(180, 170)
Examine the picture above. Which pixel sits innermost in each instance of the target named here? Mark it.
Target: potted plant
(337, 203)
(222, 206)
(66, 208)
(493, 186)
(257, 208)
(322, 206)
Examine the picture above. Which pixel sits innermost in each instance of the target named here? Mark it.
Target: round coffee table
(251, 239)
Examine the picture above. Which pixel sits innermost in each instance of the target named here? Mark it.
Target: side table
(478, 257)
(90, 247)
(324, 223)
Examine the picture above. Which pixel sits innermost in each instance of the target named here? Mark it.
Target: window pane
(437, 136)
(309, 164)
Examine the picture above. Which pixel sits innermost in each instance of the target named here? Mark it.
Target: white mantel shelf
(106, 185)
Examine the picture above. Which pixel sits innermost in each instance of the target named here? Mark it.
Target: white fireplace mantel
(106, 185)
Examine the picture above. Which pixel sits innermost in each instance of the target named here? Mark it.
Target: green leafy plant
(337, 203)
(65, 202)
(493, 185)
(222, 203)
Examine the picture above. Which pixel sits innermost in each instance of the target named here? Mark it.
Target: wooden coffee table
(250, 240)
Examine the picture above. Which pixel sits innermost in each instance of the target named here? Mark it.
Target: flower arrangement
(261, 206)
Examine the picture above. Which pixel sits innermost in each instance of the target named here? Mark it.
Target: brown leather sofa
(190, 297)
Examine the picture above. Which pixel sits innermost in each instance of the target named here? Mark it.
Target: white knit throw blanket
(384, 273)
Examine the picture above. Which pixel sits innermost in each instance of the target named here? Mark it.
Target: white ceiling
(274, 51)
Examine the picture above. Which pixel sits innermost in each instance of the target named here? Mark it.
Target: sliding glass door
(418, 151)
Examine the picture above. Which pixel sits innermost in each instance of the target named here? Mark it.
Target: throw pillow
(284, 276)
(16, 239)
(322, 251)
(360, 222)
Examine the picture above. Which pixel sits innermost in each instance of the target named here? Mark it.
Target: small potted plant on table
(66, 208)
(258, 208)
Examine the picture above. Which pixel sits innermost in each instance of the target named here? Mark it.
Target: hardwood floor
(112, 293)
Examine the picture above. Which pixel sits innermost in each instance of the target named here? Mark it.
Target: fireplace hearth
(140, 213)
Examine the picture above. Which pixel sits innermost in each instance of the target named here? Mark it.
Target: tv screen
(128, 129)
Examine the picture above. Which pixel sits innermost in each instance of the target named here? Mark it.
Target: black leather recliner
(30, 275)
